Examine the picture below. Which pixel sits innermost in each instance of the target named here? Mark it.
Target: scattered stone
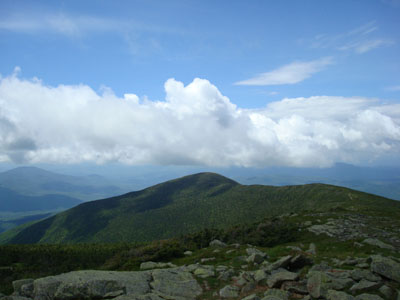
(229, 291)
(362, 266)
(221, 268)
(365, 286)
(357, 275)
(148, 265)
(251, 251)
(386, 267)
(230, 251)
(307, 223)
(255, 258)
(276, 279)
(207, 259)
(218, 243)
(338, 295)
(378, 243)
(298, 287)
(251, 297)
(260, 276)
(312, 249)
(386, 291)
(248, 287)
(17, 285)
(283, 295)
(226, 275)
(188, 253)
(204, 272)
(216, 251)
(368, 297)
(295, 248)
(236, 245)
(280, 263)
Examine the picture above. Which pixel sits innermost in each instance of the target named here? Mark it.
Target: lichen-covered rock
(368, 297)
(17, 285)
(280, 294)
(218, 243)
(251, 251)
(251, 297)
(338, 295)
(357, 275)
(298, 287)
(148, 265)
(280, 263)
(174, 282)
(255, 258)
(229, 291)
(365, 286)
(248, 287)
(378, 243)
(276, 279)
(386, 267)
(386, 291)
(204, 272)
(260, 276)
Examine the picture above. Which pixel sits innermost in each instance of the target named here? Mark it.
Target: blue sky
(294, 83)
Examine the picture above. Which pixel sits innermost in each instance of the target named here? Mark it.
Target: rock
(150, 296)
(91, 284)
(368, 297)
(312, 249)
(298, 287)
(229, 291)
(148, 265)
(17, 285)
(307, 223)
(188, 253)
(279, 294)
(218, 243)
(173, 282)
(260, 276)
(386, 291)
(15, 297)
(226, 275)
(248, 287)
(230, 251)
(378, 243)
(337, 295)
(317, 284)
(280, 263)
(251, 297)
(204, 272)
(276, 279)
(299, 261)
(255, 258)
(362, 266)
(295, 248)
(251, 251)
(365, 286)
(221, 268)
(357, 275)
(386, 267)
(207, 259)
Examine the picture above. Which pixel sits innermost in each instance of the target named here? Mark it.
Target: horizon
(252, 84)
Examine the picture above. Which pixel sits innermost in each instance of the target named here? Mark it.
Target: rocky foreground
(297, 270)
(291, 276)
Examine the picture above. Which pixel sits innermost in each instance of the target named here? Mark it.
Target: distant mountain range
(189, 204)
(32, 181)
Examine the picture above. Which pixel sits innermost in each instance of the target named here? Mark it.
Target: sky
(206, 83)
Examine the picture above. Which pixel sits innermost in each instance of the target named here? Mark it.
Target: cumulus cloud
(195, 124)
(289, 74)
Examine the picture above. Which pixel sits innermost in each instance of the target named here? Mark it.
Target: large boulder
(386, 267)
(276, 279)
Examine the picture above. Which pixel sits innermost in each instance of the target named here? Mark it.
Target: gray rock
(218, 243)
(337, 295)
(276, 279)
(207, 259)
(298, 287)
(368, 297)
(255, 258)
(17, 285)
(280, 263)
(365, 286)
(357, 275)
(229, 291)
(378, 243)
(317, 284)
(150, 296)
(204, 272)
(312, 249)
(260, 276)
(386, 291)
(248, 287)
(15, 297)
(386, 267)
(251, 297)
(173, 282)
(251, 251)
(279, 294)
(226, 275)
(148, 265)
(299, 261)
(188, 253)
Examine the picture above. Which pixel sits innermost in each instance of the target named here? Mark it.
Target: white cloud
(289, 74)
(393, 88)
(196, 124)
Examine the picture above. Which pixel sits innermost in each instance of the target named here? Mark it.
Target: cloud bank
(195, 124)
(289, 74)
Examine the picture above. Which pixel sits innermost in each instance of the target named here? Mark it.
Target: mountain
(189, 204)
(14, 202)
(33, 181)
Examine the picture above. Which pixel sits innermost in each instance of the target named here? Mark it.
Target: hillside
(189, 204)
(33, 181)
